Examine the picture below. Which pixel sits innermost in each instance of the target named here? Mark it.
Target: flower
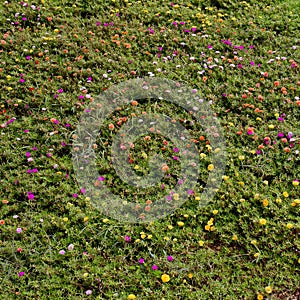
(154, 267)
(19, 230)
(127, 238)
(210, 167)
(262, 221)
(285, 194)
(180, 224)
(88, 292)
(141, 260)
(70, 247)
(21, 274)
(201, 243)
(170, 258)
(289, 225)
(268, 289)
(62, 252)
(165, 278)
(131, 296)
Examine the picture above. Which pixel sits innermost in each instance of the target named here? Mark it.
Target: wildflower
(131, 296)
(70, 247)
(210, 167)
(19, 230)
(295, 182)
(62, 252)
(88, 292)
(180, 224)
(285, 194)
(127, 238)
(170, 258)
(141, 260)
(234, 237)
(260, 297)
(262, 221)
(201, 243)
(165, 278)
(289, 225)
(268, 289)
(154, 267)
(21, 274)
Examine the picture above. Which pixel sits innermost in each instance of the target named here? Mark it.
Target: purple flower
(30, 195)
(27, 154)
(190, 192)
(151, 31)
(22, 80)
(280, 134)
(182, 23)
(28, 57)
(101, 178)
(289, 135)
(240, 66)
(18, 230)
(170, 258)
(60, 90)
(175, 158)
(105, 24)
(21, 274)
(154, 267)
(141, 260)
(180, 182)
(55, 96)
(82, 190)
(98, 23)
(175, 149)
(62, 252)
(88, 292)
(258, 152)
(252, 63)
(280, 119)
(127, 238)
(75, 195)
(209, 46)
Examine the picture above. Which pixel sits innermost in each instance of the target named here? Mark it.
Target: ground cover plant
(241, 57)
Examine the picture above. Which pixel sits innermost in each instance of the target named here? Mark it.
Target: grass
(56, 57)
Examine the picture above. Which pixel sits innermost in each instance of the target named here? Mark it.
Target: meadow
(242, 58)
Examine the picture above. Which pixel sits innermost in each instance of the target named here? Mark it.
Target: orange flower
(201, 138)
(111, 126)
(147, 208)
(165, 168)
(2, 222)
(276, 83)
(134, 103)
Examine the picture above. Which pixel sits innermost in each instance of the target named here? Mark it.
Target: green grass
(61, 46)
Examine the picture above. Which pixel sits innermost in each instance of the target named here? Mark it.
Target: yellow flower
(65, 219)
(225, 177)
(278, 200)
(299, 260)
(285, 194)
(131, 296)
(256, 196)
(265, 202)
(201, 243)
(165, 278)
(170, 227)
(289, 225)
(166, 238)
(234, 237)
(256, 255)
(8, 77)
(197, 198)
(295, 183)
(186, 216)
(212, 228)
(149, 236)
(262, 221)
(268, 289)
(137, 240)
(266, 182)
(175, 240)
(180, 223)
(143, 236)
(207, 227)
(85, 219)
(105, 220)
(271, 126)
(241, 157)
(175, 196)
(215, 211)
(210, 222)
(202, 155)
(136, 167)
(260, 297)
(253, 242)
(190, 275)
(210, 167)
(85, 274)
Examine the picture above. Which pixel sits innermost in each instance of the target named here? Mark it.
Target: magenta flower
(154, 267)
(62, 252)
(141, 260)
(75, 195)
(30, 195)
(175, 149)
(127, 238)
(18, 230)
(88, 292)
(82, 191)
(28, 57)
(27, 154)
(170, 258)
(101, 178)
(21, 274)
(60, 90)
